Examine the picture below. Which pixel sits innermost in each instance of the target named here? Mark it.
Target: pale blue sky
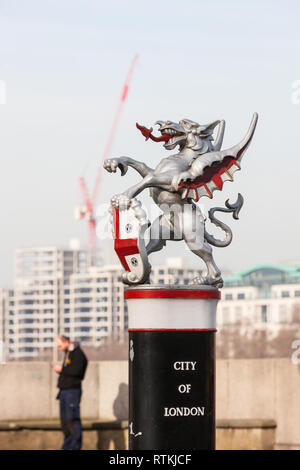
(64, 63)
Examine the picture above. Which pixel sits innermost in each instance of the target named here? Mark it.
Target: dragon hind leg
(161, 230)
(193, 236)
(213, 275)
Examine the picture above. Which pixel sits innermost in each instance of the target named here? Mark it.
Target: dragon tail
(235, 209)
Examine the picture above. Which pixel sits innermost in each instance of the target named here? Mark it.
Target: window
(101, 309)
(285, 293)
(264, 317)
(241, 296)
(226, 315)
(238, 314)
(228, 296)
(282, 317)
(83, 290)
(297, 293)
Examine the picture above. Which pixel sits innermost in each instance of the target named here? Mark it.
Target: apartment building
(95, 309)
(265, 296)
(6, 303)
(41, 276)
(54, 292)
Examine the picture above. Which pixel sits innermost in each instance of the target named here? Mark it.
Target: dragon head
(174, 133)
(186, 134)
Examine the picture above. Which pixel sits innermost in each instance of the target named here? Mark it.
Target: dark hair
(64, 338)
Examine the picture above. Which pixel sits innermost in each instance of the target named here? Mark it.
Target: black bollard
(172, 367)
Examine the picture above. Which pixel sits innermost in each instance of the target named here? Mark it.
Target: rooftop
(265, 275)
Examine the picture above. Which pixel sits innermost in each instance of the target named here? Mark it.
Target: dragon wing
(212, 169)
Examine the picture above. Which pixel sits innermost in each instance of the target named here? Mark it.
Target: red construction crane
(89, 202)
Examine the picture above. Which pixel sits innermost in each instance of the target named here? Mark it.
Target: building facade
(55, 292)
(37, 303)
(95, 310)
(263, 296)
(6, 311)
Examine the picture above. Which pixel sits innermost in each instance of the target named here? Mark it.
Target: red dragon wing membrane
(212, 169)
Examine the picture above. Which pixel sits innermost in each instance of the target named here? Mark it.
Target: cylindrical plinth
(172, 367)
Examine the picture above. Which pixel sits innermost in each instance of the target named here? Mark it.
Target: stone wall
(247, 389)
(239, 435)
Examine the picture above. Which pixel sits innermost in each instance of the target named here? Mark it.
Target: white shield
(129, 226)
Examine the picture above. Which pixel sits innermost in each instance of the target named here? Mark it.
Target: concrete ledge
(235, 434)
(246, 434)
(47, 435)
(9, 426)
(55, 425)
(246, 423)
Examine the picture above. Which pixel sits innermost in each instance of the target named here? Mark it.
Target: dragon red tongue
(147, 133)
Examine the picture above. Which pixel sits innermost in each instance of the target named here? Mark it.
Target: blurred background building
(55, 291)
(266, 294)
(33, 311)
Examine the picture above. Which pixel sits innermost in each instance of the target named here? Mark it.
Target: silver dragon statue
(176, 185)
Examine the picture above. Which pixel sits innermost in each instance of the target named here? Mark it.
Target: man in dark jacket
(71, 373)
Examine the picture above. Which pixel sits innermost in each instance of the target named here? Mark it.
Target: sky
(63, 63)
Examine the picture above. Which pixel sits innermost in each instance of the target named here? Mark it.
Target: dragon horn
(219, 139)
(208, 129)
(239, 149)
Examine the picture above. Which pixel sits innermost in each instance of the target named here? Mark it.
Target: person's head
(63, 342)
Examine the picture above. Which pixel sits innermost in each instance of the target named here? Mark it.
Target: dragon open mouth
(170, 135)
(167, 135)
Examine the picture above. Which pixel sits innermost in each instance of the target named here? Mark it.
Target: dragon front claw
(184, 176)
(120, 202)
(111, 165)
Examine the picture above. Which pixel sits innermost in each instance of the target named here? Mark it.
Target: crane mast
(87, 211)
